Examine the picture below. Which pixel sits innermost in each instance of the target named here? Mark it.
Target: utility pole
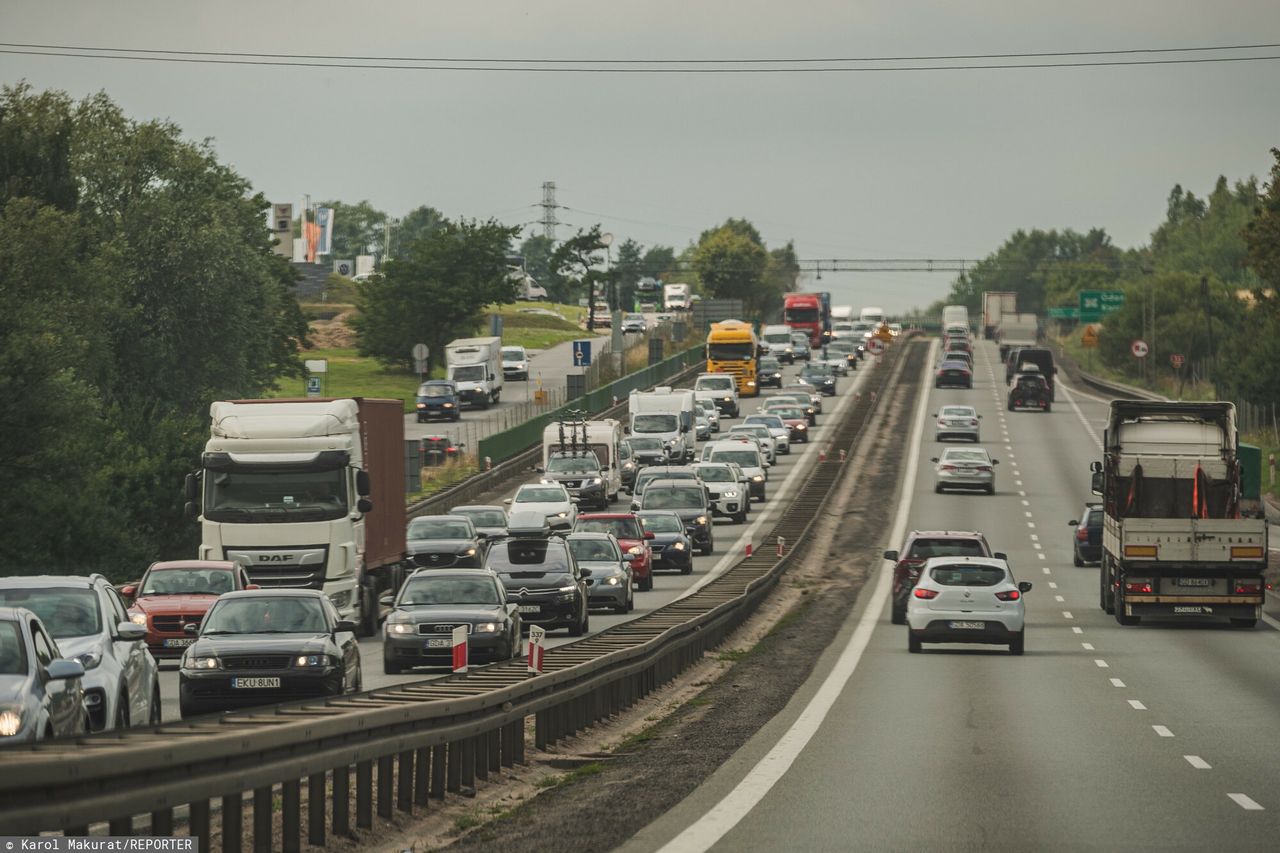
(549, 221)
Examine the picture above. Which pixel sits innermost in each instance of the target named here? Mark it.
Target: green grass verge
(1090, 362)
(539, 331)
(351, 375)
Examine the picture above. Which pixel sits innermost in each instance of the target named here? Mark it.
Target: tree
(578, 260)
(537, 251)
(416, 224)
(781, 275)
(627, 271)
(659, 262)
(731, 265)
(435, 294)
(358, 229)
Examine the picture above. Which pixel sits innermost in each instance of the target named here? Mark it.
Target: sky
(905, 164)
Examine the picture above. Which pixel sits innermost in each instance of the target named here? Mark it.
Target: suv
(625, 527)
(437, 450)
(90, 623)
(1086, 544)
(747, 455)
(580, 473)
(438, 399)
(1039, 356)
(922, 545)
(1029, 391)
(687, 499)
(541, 576)
(729, 498)
(725, 389)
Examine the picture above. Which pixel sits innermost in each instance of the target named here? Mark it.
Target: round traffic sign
(875, 346)
(1139, 349)
(420, 352)
(1175, 359)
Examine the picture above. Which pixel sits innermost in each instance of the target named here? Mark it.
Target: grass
(584, 772)
(1165, 382)
(732, 655)
(439, 478)
(351, 375)
(538, 331)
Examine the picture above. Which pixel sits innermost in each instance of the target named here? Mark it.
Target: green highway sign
(1094, 304)
(1064, 313)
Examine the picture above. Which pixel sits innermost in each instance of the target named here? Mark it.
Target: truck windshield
(653, 423)
(273, 496)
(802, 315)
(731, 352)
(469, 373)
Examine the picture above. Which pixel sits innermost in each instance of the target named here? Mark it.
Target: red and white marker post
(461, 649)
(537, 636)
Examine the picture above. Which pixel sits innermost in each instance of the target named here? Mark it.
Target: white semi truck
(307, 494)
(475, 367)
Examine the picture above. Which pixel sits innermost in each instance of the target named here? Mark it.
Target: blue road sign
(582, 353)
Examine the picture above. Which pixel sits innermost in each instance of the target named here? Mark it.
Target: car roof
(274, 592)
(674, 484)
(940, 534)
(605, 515)
(443, 517)
(193, 564)
(25, 581)
(452, 573)
(992, 562)
(478, 506)
(591, 534)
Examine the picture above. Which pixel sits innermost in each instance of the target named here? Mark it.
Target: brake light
(985, 468)
(1137, 586)
(948, 467)
(1009, 595)
(973, 422)
(1248, 587)
(1082, 534)
(922, 592)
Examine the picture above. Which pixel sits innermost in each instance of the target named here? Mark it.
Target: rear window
(622, 528)
(923, 549)
(966, 575)
(1093, 519)
(65, 611)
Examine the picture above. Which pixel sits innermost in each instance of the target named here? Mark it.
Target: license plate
(439, 642)
(530, 608)
(178, 642)
(1191, 610)
(1194, 582)
(254, 683)
(967, 626)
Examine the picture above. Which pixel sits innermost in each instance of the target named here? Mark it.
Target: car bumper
(411, 649)
(1028, 402)
(669, 558)
(952, 382)
(955, 432)
(202, 693)
(940, 627)
(550, 613)
(165, 645)
(966, 481)
(605, 595)
(433, 412)
(726, 507)
(799, 434)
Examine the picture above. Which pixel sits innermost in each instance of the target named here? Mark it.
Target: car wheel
(646, 582)
(898, 614)
(183, 712)
(1048, 408)
(938, 488)
(913, 643)
(577, 629)
(739, 518)
(156, 709)
(1075, 558)
(390, 668)
(368, 612)
(991, 490)
(122, 712)
(621, 608)
(1015, 645)
(358, 687)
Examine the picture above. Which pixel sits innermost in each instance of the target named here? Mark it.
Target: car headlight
(562, 514)
(448, 405)
(341, 599)
(89, 660)
(312, 661)
(10, 722)
(802, 426)
(628, 466)
(569, 588)
(594, 481)
(612, 581)
(729, 494)
(702, 519)
(470, 552)
(138, 618)
(728, 399)
(679, 546)
(757, 478)
(422, 405)
(401, 628)
(203, 662)
(635, 551)
(488, 628)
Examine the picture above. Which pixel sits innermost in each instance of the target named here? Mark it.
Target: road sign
(313, 386)
(582, 353)
(1139, 349)
(883, 333)
(875, 346)
(420, 352)
(1072, 313)
(1090, 336)
(316, 365)
(1095, 304)
(1175, 358)
(537, 637)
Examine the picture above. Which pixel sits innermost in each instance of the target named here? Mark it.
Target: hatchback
(1086, 541)
(967, 600)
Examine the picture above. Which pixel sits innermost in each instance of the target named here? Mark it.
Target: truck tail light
(1009, 595)
(1141, 551)
(1137, 586)
(922, 592)
(1249, 587)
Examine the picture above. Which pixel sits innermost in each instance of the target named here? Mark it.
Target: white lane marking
(1028, 514)
(1115, 682)
(1025, 503)
(1036, 545)
(1052, 585)
(1043, 557)
(1246, 802)
(1019, 482)
(1088, 427)
(1076, 629)
(1163, 731)
(1197, 762)
(1101, 664)
(1046, 570)
(1085, 393)
(1066, 614)
(703, 833)
(1058, 598)
(1035, 537)
(1024, 494)
(1031, 524)
(1136, 705)
(1088, 647)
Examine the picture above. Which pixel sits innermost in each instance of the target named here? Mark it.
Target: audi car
(431, 604)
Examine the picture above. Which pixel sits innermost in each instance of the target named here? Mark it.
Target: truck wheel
(1244, 623)
(1106, 599)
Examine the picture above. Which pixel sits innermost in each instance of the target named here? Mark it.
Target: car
(847, 349)
(669, 543)
(515, 362)
(41, 694)
(837, 362)
(895, 329)
(763, 437)
(963, 357)
(713, 414)
(745, 453)
(965, 467)
(953, 374)
(445, 542)
(921, 546)
(89, 621)
(1042, 358)
(603, 317)
(956, 422)
(769, 372)
(550, 499)
(701, 426)
(1011, 363)
(793, 417)
(729, 498)
(725, 390)
(819, 376)
(625, 527)
(659, 472)
(688, 500)
(1029, 390)
(777, 428)
(542, 578)
(813, 394)
(431, 604)
(261, 646)
(1086, 542)
(800, 342)
(967, 600)
(490, 521)
(436, 450)
(797, 398)
(634, 324)
(579, 472)
(958, 345)
(177, 593)
(438, 398)
(637, 452)
(607, 570)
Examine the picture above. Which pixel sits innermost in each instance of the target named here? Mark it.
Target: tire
(1075, 558)
(913, 643)
(991, 490)
(1010, 407)
(740, 518)
(368, 612)
(359, 685)
(1016, 644)
(1244, 624)
(646, 582)
(620, 608)
(1105, 598)
(897, 614)
(938, 489)
(390, 668)
(687, 570)
(157, 713)
(457, 417)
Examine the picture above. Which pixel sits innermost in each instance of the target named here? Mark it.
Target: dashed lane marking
(1163, 731)
(1101, 664)
(1197, 762)
(1136, 705)
(1075, 629)
(1246, 802)
(1115, 682)
(1088, 647)
(1066, 614)
(1052, 585)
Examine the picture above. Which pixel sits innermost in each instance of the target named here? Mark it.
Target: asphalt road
(1100, 737)
(730, 542)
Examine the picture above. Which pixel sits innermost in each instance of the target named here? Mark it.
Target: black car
(1086, 542)
(1041, 357)
(579, 472)
(438, 398)
(819, 376)
(1029, 391)
(445, 542)
(260, 646)
(542, 577)
(671, 547)
(688, 500)
(953, 374)
(436, 450)
(431, 604)
(769, 372)
(490, 519)
(637, 452)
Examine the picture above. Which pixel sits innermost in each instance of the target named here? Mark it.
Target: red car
(920, 546)
(178, 593)
(630, 535)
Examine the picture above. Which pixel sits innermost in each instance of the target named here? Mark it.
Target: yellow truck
(732, 348)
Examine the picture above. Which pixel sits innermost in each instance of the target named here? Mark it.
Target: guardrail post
(481, 742)
(495, 745)
(405, 777)
(121, 826)
(386, 783)
(468, 775)
(342, 800)
(262, 820)
(232, 822)
(291, 816)
(438, 771)
(198, 822)
(315, 809)
(421, 786)
(541, 727)
(364, 795)
(162, 823)
(508, 756)
(517, 740)
(453, 784)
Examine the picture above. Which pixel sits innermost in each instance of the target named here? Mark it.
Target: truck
(668, 415)
(996, 304)
(1175, 544)
(1016, 331)
(675, 297)
(842, 313)
(475, 366)
(872, 315)
(778, 339)
(809, 313)
(732, 348)
(307, 494)
(601, 438)
(955, 316)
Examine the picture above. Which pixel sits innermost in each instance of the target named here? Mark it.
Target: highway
(1155, 736)
(730, 541)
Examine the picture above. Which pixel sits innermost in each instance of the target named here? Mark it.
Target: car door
(134, 658)
(348, 647)
(59, 699)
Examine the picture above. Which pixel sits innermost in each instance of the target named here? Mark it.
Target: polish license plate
(178, 642)
(439, 642)
(530, 608)
(1191, 610)
(1194, 582)
(254, 683)
(967, 626)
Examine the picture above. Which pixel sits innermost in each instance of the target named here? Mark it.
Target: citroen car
(967, 600)
(431, 604)
(541, 578)
(746, 454)
(445, 542)
(177, 593)
(794, 417)
(1086, 539)
(777, 428)
(820, 376)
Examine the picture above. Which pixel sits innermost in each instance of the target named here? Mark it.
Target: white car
(967, 600)
(724, 388)
(707, 405)
(956, 422)
(965, 468)
(550, 499)
(777, 428)
(743, 451)
(763, 437)
(515, 363)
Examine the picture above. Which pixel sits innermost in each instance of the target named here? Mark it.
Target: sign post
(537, 637)
(420, 353)
(460, 649)
(317, 370)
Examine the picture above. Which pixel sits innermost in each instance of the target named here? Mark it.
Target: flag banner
(324, 219)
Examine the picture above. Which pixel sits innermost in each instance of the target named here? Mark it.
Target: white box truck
(675, 297)
(563, 440)
(666, 414)
(475, 367)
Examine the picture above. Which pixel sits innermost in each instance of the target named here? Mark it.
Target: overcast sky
(849, 165)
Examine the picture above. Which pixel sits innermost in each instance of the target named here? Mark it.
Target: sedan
(40, 692)
(708, 407)
(671, 546)
(178, 593)
(489, 521)
(777, 428)
(419, 628)
(550, 499)
(967, 600)
(797, 398)
(793, 417)
(814, 395)
(953, 374)
(445, 542)
(601, 562)
(966, 468)
(956, 422)
(819, 376)
(261, 646)
(762, 437)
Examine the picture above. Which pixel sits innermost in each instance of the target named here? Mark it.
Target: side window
(118, 611)
(330, 612)
(43, 647)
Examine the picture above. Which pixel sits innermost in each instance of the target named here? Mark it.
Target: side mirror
(490, 377)
(891, 555)
(364, 505)
(649, 534)
(190, 630)
(190, 487)
(129, 632)
(189, 509)
(129, 591)
(388, 600)
(995, 461)
(1025, 586)
(766, 464)
(537, 469)
(586, 573)
(344, 626)
(635, 506)
(1000, 555)
(933, 459)
(1073, 523)
(1095, 467)
(62, 669)
(1095, 482)
(362, 483)
(507, 501)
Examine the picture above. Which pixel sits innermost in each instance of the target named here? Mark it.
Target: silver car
(965, 468)
(600, 560)
(713, 414)
(40, 693)
(956, 422)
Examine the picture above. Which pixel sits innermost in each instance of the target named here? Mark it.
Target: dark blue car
(1086, 541)
(438, 398)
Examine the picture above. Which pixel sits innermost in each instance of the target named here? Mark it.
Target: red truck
(809, 313)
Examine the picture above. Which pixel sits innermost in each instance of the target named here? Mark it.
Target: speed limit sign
(875, 346)
(1139, 349)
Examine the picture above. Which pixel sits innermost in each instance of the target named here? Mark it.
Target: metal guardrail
(1118, 389)
(408, 744)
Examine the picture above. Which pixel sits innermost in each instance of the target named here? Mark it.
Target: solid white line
(1246, 802)
(1197, 762)
(1088, 647)
(725, 815)
(1075, 629)
(1115, 682)
(1088, 427)
(1101, 663)
(1136, 705)
(1163, 731)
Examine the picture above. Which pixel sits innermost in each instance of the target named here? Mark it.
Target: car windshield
(745, 458)
(597, 550)
(645, 445)
(438, 528)
(952, 364)
(788, 412)
(716, 474)
(13, 651)
(662, 523)
(483, 517)
(65, 611)
(957, 412)
(923, 549)
(188, 582)
(513, 354)
(576, 464)
(962, 574)
(540, 494)
(770, 364)
(778, 338)
(714, 383)
(966, 456)
(653, 423)
(758, 430)
(672, 498)
(622, 528)
(469, 372)
(446, 590)
(435, 389)
(266, 615)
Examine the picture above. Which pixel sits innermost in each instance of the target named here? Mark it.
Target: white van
(668, 415)
(602, 437)
(724, 388)
(874, 316)
(778, 339)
